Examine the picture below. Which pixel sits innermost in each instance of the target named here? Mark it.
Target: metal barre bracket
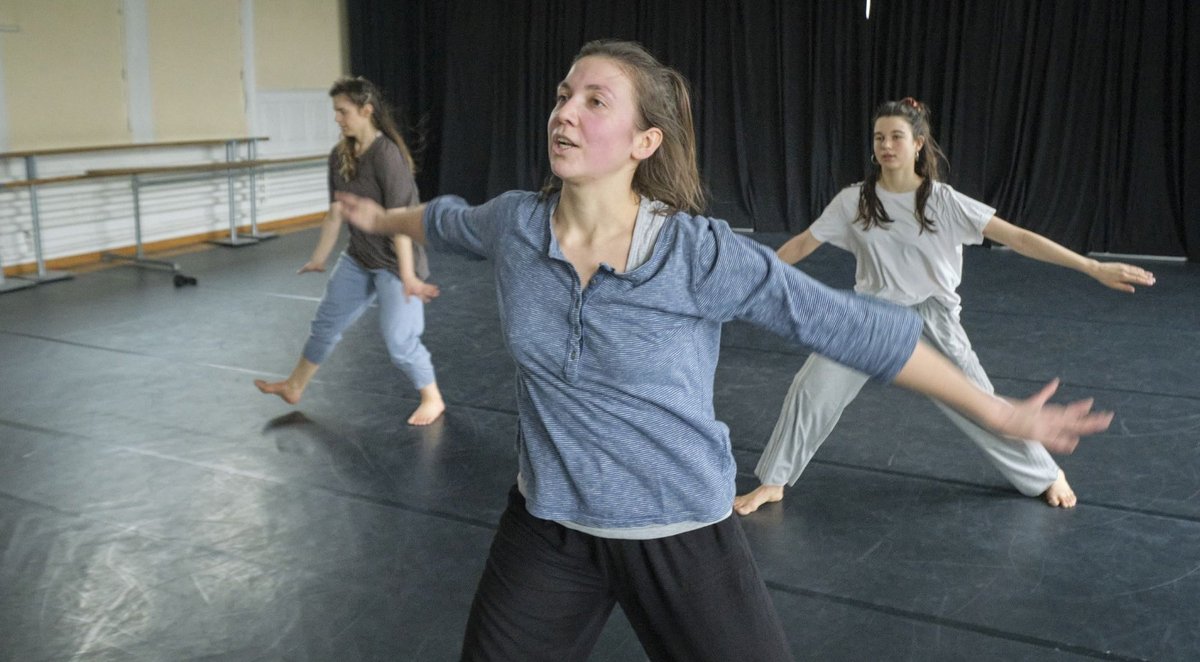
(139, 261)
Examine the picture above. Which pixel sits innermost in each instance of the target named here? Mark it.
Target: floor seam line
(947, 622)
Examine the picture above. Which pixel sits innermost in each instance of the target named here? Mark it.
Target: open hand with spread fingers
(1057, 427)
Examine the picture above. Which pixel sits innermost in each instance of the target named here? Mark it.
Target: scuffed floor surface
(155, 506)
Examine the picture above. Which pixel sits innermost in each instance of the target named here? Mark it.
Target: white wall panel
(92, 216)
(98, 215)
(298, 122)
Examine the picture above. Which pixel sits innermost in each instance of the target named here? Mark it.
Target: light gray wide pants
(824, 388)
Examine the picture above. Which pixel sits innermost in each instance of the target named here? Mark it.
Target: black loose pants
(547, 591)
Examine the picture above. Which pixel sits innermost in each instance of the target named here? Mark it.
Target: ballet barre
(31, 182)
(144, 177)
(42, 275)
(141, 178)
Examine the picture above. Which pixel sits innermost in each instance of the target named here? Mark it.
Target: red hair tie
(909, 101)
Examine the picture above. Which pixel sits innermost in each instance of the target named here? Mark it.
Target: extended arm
(368, 216)
(741, 280)
(326, 241)
(799, 247)
(1056, 427)
(1117, 275)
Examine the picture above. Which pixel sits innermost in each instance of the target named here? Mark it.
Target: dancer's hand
(311, 265)
(1121, 276)
(362, 213)
(1057, 427)
(415, 287)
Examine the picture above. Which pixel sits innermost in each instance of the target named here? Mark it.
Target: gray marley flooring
(155, 506)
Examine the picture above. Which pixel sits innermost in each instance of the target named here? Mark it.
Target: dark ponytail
(870, 209)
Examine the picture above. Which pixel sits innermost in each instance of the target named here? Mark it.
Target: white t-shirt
(897, 262)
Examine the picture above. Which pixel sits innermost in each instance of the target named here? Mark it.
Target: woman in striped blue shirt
(612, 292)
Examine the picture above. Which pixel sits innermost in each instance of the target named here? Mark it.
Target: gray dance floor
(155, 506)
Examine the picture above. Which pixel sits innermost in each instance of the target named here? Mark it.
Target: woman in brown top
(371, 160)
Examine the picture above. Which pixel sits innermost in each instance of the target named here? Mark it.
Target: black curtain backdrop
(1075, 118)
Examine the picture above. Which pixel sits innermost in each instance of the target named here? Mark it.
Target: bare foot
(1060, 494)
(289, 393)
(429, 411)
(748, 503)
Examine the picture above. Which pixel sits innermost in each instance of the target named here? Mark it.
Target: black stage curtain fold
(1074, 118)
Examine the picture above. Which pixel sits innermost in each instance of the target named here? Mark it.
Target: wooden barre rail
(211, 142)
(30, 183)
(203, 167)
(104, 173)
(229, 167)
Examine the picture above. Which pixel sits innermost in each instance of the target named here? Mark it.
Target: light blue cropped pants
(349, 292)
(823, 389)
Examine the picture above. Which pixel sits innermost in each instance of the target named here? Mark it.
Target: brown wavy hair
(670, 175)
(361, 92)
(870, 209)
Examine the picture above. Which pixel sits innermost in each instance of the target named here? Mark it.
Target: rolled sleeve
(966, 215)
(394, 177)
(833, 225)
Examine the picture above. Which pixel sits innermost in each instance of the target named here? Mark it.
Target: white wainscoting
(86, 217)
(297, 121)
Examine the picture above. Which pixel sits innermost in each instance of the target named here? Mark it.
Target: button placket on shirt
(581, 296)
(575, 318)
(576, 327)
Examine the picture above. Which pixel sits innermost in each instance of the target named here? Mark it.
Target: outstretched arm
(1117, 275)
(368, 216)
(799, 247)
(413, 286)
(737, 278)
(325, 243)
(1056, 427)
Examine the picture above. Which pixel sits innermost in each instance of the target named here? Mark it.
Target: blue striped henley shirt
(615, 380)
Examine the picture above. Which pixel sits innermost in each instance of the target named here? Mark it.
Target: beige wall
(63, 73)
(64, 84)
(196, 68)
(64, 78)
(297, 44)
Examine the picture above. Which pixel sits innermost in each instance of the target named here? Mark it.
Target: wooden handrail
(127, 172)
(202, 167)
(127, 146)
(42, 181)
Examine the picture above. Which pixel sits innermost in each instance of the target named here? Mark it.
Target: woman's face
(895, 148)
(592, 130)
(354, 120)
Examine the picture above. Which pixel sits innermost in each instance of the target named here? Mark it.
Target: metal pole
(252, 152)
(230, 155)
(230, 181)
(139, 259)
(1130, 256)
(42, 275)
(137, 218)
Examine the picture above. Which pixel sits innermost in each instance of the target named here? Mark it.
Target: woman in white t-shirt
(906, 231)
